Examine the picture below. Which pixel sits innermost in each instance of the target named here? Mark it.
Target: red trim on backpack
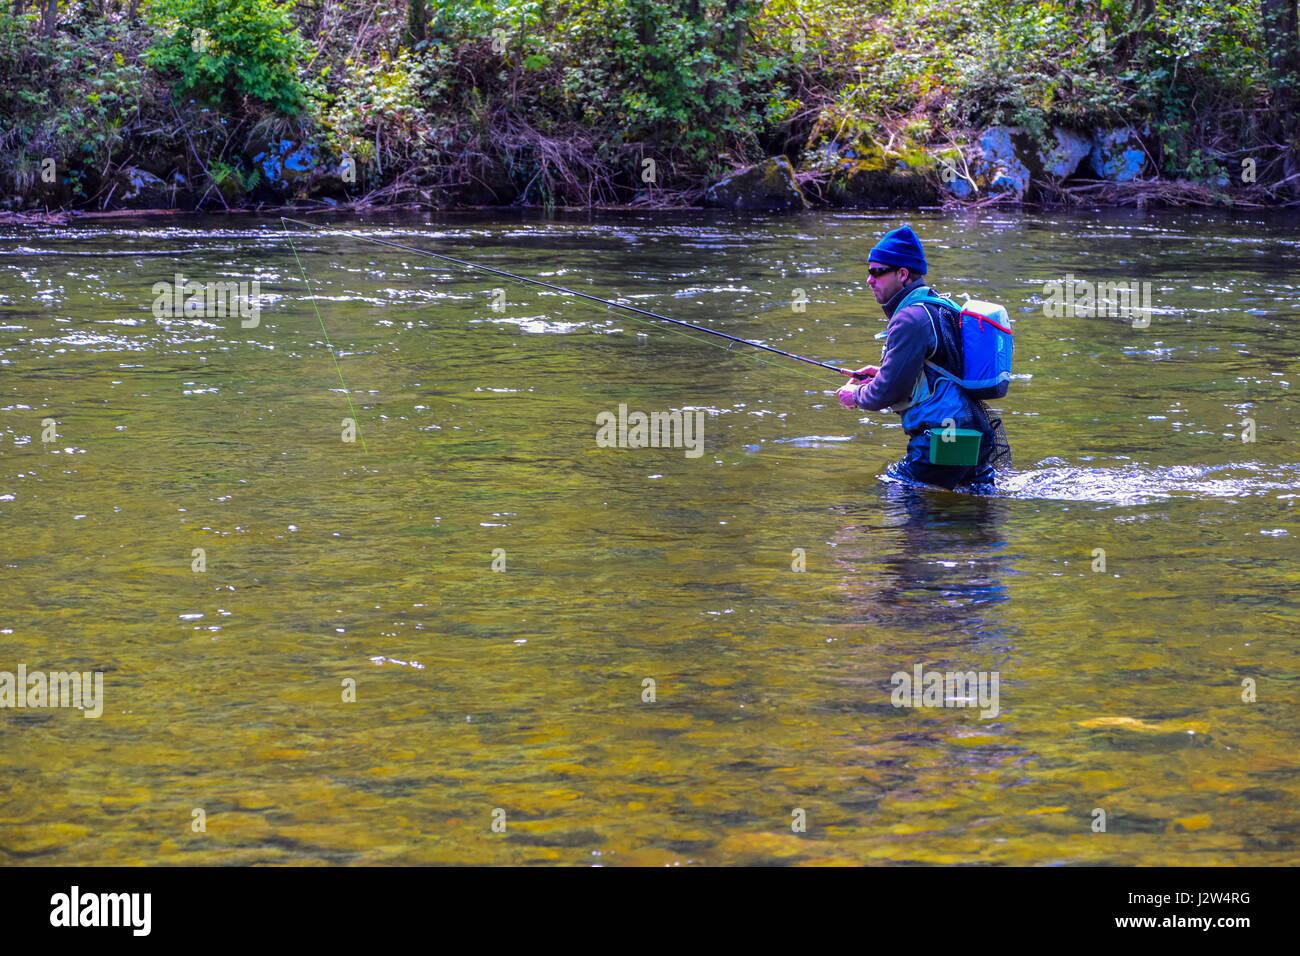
(984, 318)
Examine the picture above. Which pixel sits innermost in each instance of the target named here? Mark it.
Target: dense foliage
(223, 50)
(544, 101)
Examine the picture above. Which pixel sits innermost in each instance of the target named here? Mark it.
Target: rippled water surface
(1134, 582)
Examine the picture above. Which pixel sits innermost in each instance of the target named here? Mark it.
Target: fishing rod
(583, 295)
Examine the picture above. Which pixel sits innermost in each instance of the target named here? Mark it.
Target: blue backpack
(986, 345)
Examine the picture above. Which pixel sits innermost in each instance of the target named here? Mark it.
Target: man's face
(886, 285)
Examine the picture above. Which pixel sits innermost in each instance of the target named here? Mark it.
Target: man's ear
(904, 275)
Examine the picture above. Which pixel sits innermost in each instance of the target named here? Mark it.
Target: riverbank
(764, 106)
(1153, 195)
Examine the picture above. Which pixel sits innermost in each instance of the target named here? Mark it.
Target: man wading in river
(903, 382)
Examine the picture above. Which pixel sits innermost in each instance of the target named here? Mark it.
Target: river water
(473, 634)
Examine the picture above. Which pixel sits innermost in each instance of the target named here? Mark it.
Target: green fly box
(954, 446)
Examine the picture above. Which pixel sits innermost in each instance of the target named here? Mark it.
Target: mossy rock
(1117, 155)
(864, 176)
(769, 186)
(140, 189)
(285, 163)
(890, 184)
(1008, 159)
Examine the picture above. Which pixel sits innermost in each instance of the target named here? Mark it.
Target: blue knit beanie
(900, 247)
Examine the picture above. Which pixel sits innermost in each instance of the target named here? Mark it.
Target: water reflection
(928, 563)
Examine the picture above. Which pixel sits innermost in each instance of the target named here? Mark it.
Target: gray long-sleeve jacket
(910, 341)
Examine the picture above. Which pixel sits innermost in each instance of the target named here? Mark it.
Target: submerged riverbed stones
(769, 186)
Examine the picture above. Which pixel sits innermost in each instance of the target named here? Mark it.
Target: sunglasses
(878, 271)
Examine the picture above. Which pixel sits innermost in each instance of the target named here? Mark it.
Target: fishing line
(356, 420)
(582, 295)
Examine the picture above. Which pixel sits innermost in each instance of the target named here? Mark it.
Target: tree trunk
(1142, 14)
(739, 12)
(51, 17)
(645, 31)
(417, 21)
(1282, 44)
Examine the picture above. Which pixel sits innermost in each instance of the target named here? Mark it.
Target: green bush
(383, 102)
(1197, 73)
(228, 49)
(76, 97)
(667, 72)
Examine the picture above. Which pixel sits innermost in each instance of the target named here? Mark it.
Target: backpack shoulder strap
(943, 300)
(933, 298)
